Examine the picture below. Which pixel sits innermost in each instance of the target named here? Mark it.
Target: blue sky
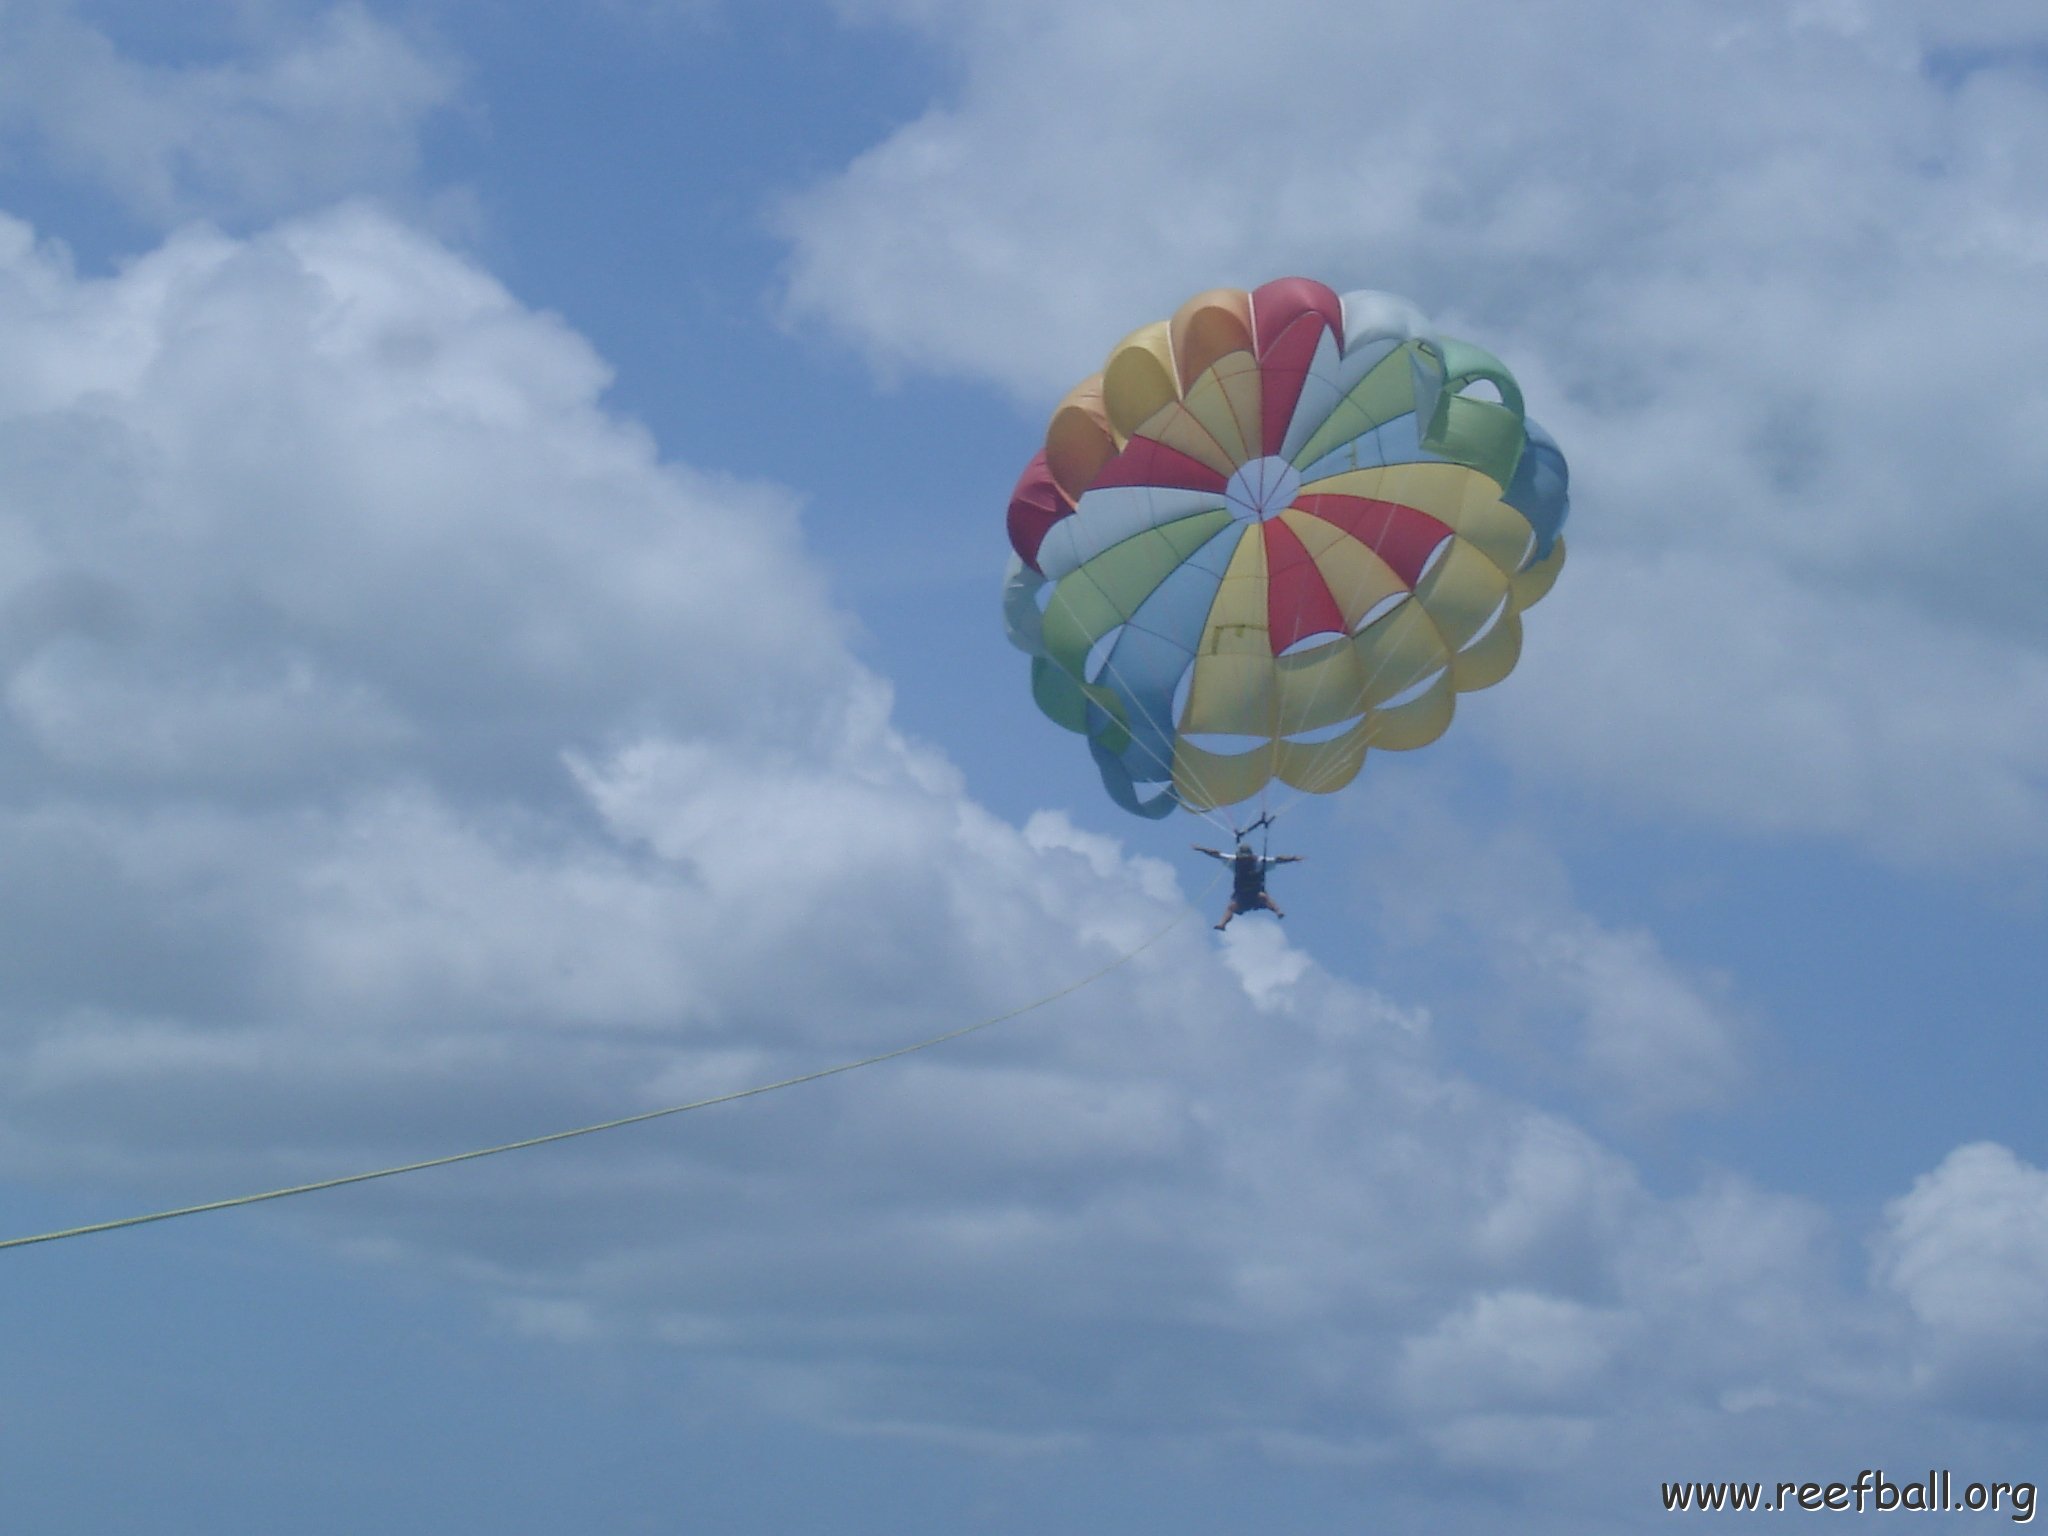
(500, 519)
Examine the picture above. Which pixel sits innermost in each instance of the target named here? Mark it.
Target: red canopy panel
(1288, 320)
(1146, 462)
(1298, 600)
(1035, 505)
(1403, 536)
(1278, 304)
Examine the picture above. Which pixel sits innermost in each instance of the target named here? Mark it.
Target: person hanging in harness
(1248, 880)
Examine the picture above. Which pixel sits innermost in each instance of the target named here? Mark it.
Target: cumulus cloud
(1966, 1249)
(1770, 273)
(1587, 1001)
(305, 536)
(1724, 684)
(331, 107)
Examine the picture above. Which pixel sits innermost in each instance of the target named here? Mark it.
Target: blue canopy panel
(1394, 442)
(1154, 650)
(1540, 490)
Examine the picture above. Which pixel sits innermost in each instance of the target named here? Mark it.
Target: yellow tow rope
(607, 1125)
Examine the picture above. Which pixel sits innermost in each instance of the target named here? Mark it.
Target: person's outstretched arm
(1209, 851)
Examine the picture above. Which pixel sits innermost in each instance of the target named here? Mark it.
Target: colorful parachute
(1278, 529)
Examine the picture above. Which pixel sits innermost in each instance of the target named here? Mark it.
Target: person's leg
(1229, 911)
(1272, 906)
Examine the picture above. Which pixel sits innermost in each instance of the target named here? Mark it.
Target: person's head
(1244, 851)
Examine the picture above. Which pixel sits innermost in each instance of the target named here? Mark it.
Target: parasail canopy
(1275, 531)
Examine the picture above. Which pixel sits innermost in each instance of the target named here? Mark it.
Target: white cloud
(1605, 1003)
(332, 489)
(1265, 963)
(1772, 275)
(330, 107)
(309, 535)
(1510, 1349)
(1786, 709)
(1967, 1250)
(96, 712)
